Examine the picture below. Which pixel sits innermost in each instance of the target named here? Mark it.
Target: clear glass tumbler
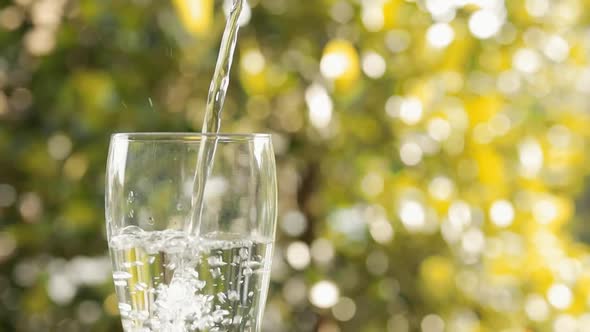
(214, 277)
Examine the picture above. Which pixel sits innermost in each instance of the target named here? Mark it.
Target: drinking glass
(177, 267)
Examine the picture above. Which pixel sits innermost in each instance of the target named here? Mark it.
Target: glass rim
(187, 136)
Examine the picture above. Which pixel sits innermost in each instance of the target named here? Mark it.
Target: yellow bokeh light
(196, 15)
(340, 63)
(437, 275)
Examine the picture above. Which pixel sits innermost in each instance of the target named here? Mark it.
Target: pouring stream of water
(212, 121)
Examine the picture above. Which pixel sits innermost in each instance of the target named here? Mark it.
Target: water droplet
(151, 221)
(179, 207)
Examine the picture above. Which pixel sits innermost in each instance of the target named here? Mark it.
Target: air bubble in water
(152, 248)
(254, 265)
(141, 286)
(232, 295)
(133, 231)
(215, 261)
(177, 293)
(132, 264)
(215, 273)
(244, 253)
(194, 274)
(118, 275)
(124, 307)
(120, 283)
(140, 315)
(176, 243)
(221, 297)
(131, 197)
(200, 284)
(219, 314)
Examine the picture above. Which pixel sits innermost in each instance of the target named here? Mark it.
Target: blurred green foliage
(431, 154)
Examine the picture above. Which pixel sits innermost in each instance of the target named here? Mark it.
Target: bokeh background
(432, 154)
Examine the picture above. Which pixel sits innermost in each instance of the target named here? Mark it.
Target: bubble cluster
(173, 282)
